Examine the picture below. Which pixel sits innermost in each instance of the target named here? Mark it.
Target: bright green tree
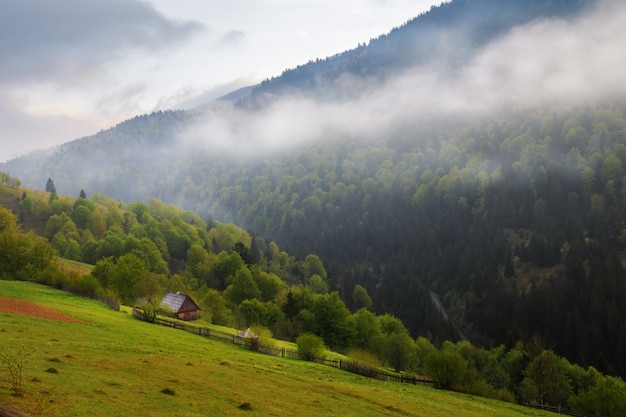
(333, 321)
(547, 374)
(124, 276)
(254, 312)
(313, 266)
(360, 298)
(446, 366)
(241, 287)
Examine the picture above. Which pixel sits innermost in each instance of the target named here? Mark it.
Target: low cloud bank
(545, 62)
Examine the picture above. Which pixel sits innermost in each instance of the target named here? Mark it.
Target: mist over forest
(476, 152)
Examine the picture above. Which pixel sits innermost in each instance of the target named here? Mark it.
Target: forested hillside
(513, 217)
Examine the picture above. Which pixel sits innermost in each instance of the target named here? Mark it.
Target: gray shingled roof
(173, 301)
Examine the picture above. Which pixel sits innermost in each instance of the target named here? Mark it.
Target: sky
(69, 68)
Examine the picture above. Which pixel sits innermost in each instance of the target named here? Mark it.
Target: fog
(545, 62)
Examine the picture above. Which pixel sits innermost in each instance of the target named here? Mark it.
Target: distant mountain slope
(446, 37)
(112, 162)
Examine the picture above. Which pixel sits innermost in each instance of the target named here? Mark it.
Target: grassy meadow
(111, 364)
(74, 267)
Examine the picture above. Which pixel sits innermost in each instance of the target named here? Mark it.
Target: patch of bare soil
(27, 308)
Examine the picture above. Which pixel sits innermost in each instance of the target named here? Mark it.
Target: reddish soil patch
(27, 308)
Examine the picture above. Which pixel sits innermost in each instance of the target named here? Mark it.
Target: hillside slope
(135, 368)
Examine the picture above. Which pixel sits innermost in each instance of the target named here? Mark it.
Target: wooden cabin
(181, 306)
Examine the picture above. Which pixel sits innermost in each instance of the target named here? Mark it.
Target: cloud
(191, 97)
(545, 62)
(233, 37)
(21, 128)
(69, 40)
(553, 61)
(69, 67)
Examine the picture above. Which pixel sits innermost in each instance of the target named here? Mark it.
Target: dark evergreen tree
(50, 186)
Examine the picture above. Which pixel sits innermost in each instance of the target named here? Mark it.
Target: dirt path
(27, 308)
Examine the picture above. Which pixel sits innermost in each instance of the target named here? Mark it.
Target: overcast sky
(69, 68)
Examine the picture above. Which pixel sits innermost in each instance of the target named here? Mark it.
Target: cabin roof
(175, 301)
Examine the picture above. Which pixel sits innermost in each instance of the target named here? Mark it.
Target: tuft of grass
(245, 406)
(168, 391)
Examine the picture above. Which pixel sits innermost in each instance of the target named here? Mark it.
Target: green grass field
(112, 364)
(78, 268)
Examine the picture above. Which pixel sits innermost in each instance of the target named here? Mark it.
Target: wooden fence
(559, 410)
(346, 365)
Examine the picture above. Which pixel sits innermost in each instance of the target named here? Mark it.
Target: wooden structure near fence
(346, 365)
(181, 305)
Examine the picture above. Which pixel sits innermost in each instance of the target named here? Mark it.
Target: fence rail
(349, 366)
(559, 410)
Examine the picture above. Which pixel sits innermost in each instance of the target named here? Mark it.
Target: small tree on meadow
(15, 360)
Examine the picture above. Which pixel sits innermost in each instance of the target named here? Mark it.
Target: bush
(90, 284)
(263, 337)
(309, 346)
(445, 366)
(14, 361)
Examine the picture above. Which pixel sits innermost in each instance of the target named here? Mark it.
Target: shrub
(91, 284)
(446, 367)
(14, 361)
(263, 337)
(309, 346)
